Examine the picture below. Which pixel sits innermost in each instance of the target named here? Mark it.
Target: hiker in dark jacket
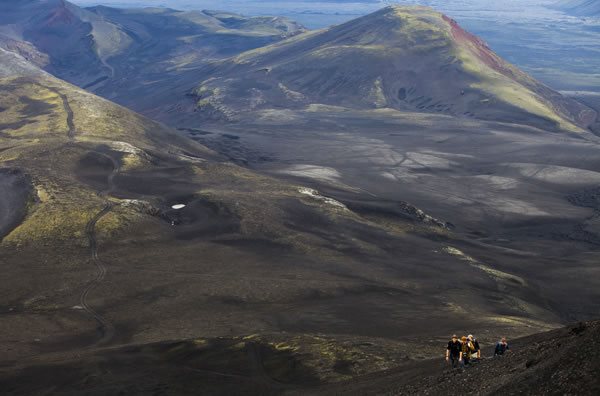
(453, 351)
(501, 347)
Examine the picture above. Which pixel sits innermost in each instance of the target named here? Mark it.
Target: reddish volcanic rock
(483, 51)
(60, 16)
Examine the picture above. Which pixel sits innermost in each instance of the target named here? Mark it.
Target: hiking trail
(105, 328)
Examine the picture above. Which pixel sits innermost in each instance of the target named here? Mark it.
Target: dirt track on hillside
(105, 328)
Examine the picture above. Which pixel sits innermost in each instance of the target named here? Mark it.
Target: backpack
(471, 346)
(467, 349)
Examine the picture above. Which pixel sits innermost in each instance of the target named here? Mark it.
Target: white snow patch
(128, 202)
(313, 172)
(316, 195)
(290, 94)
(178, 206)
(125, 147)
(135, 203)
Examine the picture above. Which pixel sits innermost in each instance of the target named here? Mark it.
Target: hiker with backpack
(466, 349)
(501, 347)
(453, 351)
(477, 350)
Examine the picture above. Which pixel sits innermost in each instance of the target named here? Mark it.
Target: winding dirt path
(105, 328)
(66, 107)
(109, 67)
(69, 111)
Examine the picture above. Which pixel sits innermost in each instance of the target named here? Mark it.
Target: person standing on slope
(477, 353)
(466, 349)
(453, 351)
(501, 347)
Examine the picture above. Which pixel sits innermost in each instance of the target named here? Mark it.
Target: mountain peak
(404, 58)
(403, 10)
(397, 25)
(60, 15)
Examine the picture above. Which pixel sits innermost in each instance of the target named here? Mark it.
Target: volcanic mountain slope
(268, 272)
(407, 58)
(562, 361)
(585, 8)
(559, 362)
(168, 46)
(101, 47)
(98, 257)
(75, 43)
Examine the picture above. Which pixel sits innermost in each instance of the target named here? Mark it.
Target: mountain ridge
(356, 230)
(98, 46)
(113, 208)
(407, 58)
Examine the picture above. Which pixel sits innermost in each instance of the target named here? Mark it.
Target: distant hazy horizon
(322, 13)
(311, 13)
(516, 29)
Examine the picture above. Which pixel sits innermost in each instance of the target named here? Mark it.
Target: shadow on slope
(562, 361)
(222, 366)
(15, 193)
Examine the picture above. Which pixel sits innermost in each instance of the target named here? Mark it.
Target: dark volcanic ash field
(280, 234)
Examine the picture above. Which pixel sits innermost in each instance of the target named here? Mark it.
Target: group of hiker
(462, 352)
